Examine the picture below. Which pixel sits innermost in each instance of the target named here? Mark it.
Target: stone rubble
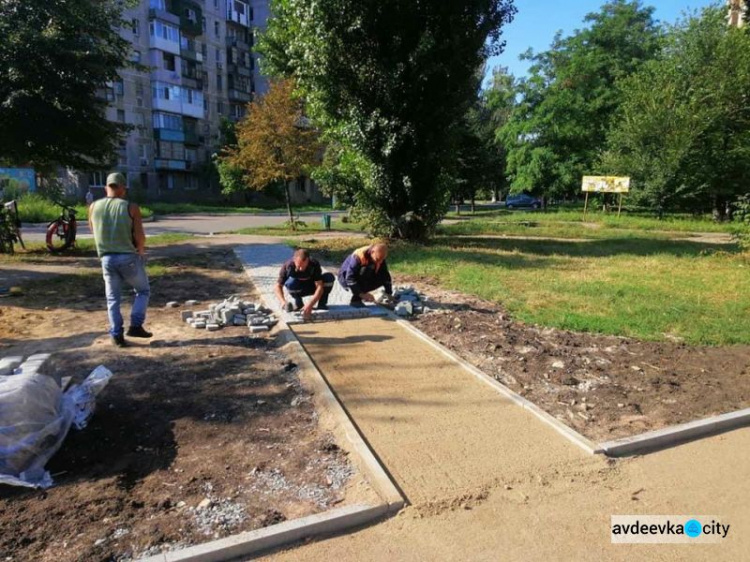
(232, 311)
(408, 301)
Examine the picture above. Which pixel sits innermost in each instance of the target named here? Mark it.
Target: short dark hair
(302, 253)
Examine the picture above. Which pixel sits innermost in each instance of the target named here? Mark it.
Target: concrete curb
(676, 435)
(649, 442)
(571, 435)
(275, 536)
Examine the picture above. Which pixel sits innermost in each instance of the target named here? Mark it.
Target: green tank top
(113, 226)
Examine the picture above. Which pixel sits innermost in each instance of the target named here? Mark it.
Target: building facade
(195, 68)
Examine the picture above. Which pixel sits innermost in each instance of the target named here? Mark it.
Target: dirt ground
(604, 387)
(198, 435)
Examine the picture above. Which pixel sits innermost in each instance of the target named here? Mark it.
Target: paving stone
(200, 325)
(257, 329)
(172, 304)
(212, 327)
(192, 303)
(185, 314)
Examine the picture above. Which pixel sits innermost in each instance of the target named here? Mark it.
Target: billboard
(606, 184)
(21, 180)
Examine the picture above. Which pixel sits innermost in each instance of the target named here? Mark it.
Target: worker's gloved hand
(307, 312)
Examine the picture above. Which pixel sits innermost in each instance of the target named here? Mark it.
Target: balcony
(163, 164)
(190, 16)
(237, 95)
(240, 15)
(191, 138)
(238, 43)
(239, 69)
(169, 135)
(163, 15)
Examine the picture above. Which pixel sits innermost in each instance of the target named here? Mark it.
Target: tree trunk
(719, 212)
(458, 208)
(288, 197)
(473, 204)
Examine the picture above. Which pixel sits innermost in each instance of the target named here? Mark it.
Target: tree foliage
(391, 80)
(54, 56)
(684, 129)
(558, 129)
(275, 142)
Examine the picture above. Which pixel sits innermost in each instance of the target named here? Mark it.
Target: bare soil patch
(602, 386)
(199, 435)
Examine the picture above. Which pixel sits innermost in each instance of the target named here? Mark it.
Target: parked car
(522, 200)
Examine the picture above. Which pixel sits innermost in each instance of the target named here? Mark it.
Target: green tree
(684, 130)
(275, 144)
(393, 80)
(558, 129)
(54, 56)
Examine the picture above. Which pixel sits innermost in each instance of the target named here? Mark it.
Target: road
(191, 224)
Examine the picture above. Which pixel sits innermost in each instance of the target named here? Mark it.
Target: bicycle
(61, 232)
(10, 228)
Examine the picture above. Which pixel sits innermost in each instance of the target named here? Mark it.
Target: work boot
(321, 306)
(356, 302)
(138, 332)
(119, 341)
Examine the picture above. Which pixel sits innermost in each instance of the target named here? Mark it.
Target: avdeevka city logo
(693, 528)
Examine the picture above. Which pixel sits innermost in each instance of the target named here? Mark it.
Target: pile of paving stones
(408, 301)
(230, 312)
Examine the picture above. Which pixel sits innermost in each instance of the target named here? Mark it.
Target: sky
(537, 21)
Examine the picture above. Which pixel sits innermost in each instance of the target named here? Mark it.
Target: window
(251, 62)
(171, 150)
(121, 115)
(162, 91)
(170, 62)
(157, 5)
(216, 4)
(204, 24)
(139, 88)
(191, 182)
(167, 121)
(239, 7)
(119, 87)
(164, 31)
(136, 25)
(219, 83)
(220, 108)
(97, 179)
(135, 56)
(143, 151)
(191, 15)
(216, 28)
(218, 56)
(204, 50)
(191, 155)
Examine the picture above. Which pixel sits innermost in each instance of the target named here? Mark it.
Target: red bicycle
(61, 232)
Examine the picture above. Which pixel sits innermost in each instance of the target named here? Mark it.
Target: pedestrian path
(486, 479)
(262, 263)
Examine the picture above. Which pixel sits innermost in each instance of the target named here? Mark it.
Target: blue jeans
(128, 268)
(298, 289)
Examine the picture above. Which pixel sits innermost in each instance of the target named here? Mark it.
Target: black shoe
(357, 303)
(138, 332)
(322, 306)
(289, 307)
(119, 341)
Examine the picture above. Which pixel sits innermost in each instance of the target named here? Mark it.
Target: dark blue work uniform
(301, 283)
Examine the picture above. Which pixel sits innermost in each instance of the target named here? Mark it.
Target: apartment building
(196, 66)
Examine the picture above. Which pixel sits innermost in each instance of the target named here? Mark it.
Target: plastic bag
(35, 416)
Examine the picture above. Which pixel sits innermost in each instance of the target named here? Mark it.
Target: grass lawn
(648, 288)
(310, 227)
(37, 251)
(33, 208)
(569, 224)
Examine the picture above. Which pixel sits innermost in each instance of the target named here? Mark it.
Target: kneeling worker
(365, 270)
(302, 276)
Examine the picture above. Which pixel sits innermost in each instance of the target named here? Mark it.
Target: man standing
(302, 276)
(121, 244)
(365, 270)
